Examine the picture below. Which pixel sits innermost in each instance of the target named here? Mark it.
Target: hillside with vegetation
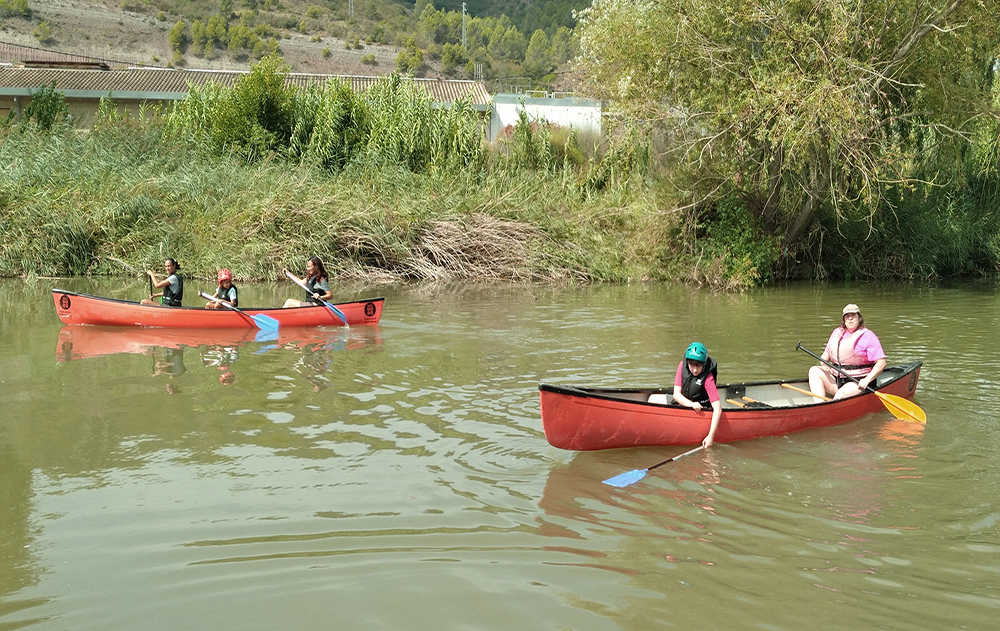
(373, 37)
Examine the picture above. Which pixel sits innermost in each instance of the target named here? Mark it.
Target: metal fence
(16, 52)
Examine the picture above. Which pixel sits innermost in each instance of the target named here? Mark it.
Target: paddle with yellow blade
(902, 408)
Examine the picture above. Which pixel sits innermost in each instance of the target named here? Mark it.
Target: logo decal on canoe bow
(64, 302)
(913, 381)
(369, 309)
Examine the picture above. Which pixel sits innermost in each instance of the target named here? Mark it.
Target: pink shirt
(710, 389)
(867, 346)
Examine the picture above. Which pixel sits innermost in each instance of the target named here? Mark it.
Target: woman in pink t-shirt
(856, 351)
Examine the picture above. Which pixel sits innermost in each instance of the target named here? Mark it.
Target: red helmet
(225, 274)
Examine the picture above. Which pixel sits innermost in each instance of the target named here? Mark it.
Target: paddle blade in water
(265, 322)
(903, 409)
(337, 312)
(624, 479)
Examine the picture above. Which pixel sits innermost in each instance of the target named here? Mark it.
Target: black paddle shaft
(799, 347)
(686, 453)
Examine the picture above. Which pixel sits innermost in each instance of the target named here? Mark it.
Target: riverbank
(385, 187)
(117, 201)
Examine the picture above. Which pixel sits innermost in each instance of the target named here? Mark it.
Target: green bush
(254, 117)
(42, 32)
(734, 246)
(47, 109)
(177, 37)
(14, 8)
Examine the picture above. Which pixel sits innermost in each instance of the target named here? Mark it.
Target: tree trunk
(774, 171)
(818, 189)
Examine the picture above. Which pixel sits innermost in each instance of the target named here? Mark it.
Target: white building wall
(580, 114)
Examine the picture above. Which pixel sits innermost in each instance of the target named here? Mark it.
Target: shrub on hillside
(14, 8)
(177, 37)
(453, 56)
(42, 32)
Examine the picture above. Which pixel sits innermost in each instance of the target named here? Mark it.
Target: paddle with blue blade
(631, 477)
(263, 322)
(337, 312)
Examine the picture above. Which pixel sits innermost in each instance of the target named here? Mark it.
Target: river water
(397, 476)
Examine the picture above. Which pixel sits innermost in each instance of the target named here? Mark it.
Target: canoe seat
(660, 399)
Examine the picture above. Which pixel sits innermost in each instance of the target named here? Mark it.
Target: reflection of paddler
(172, 363)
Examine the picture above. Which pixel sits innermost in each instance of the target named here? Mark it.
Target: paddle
(337, 312)
(150, 279)
(263, 322)
(900, 407)
(630, 477)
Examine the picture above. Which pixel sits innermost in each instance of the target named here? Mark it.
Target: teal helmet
(697, 352)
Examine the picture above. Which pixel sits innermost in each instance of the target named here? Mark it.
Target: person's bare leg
(821, 383)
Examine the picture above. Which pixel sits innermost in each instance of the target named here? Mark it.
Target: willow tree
(793, 104)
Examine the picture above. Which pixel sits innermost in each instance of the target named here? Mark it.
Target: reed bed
(115, 203)
(258, 177)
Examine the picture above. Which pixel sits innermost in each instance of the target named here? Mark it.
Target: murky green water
(397, 477)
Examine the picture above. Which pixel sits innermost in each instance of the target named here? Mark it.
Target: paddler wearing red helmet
(226, 291)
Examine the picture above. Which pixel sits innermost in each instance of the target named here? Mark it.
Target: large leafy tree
(795, 104)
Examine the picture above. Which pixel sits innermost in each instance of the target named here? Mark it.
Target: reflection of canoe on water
(81, 342)
(605, 418)
(74, 308)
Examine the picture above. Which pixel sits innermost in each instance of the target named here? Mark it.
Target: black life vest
(231, 295)
(171, 299)
(312, 287)
(694, 387)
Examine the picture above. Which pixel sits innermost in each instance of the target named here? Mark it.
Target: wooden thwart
(791, 387)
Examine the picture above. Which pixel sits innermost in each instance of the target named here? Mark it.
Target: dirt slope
(105, 31)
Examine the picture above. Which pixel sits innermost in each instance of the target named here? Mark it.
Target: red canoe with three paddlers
(585, 419)
(74, 308)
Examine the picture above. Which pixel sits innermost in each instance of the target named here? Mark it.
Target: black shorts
(842, 380)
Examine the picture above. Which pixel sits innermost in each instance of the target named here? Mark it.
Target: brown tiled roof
(167, 83)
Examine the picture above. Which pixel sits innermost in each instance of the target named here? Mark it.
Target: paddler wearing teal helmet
(694, 386)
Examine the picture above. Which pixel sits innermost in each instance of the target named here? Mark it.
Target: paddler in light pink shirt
(856, 350)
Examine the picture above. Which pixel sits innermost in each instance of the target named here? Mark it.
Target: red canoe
(74, 308)
(604, 418)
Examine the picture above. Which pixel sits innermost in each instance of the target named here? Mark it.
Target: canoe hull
(74, 308)
(587, 419)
